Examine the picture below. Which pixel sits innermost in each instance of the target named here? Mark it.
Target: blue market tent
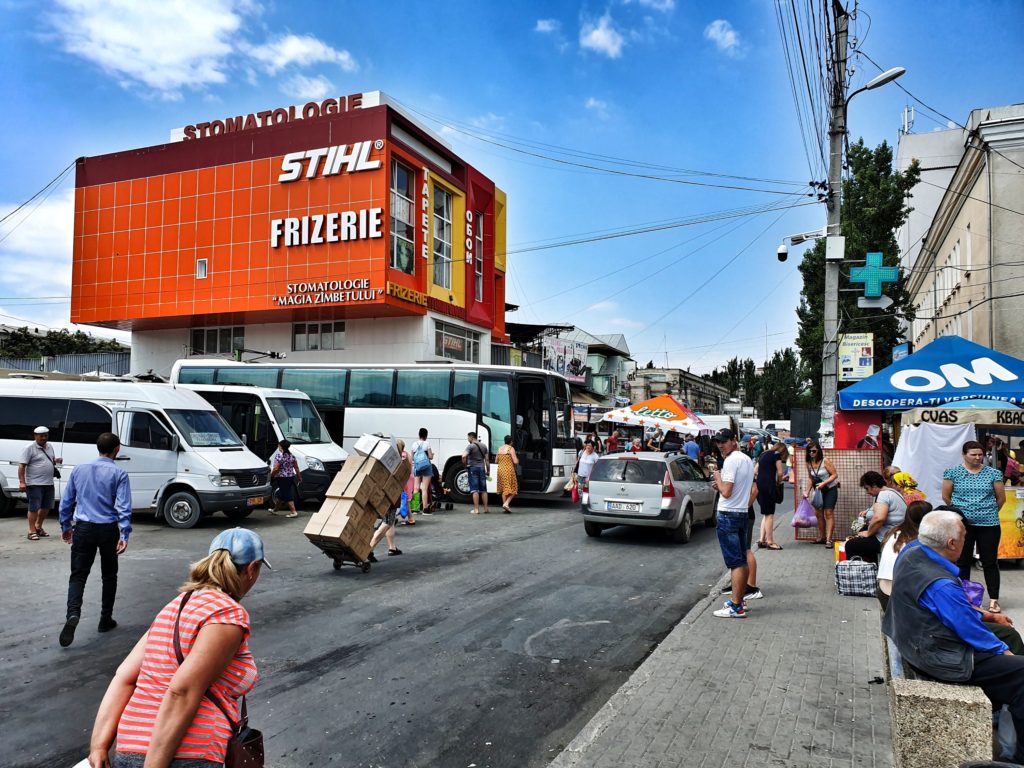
(947, 370)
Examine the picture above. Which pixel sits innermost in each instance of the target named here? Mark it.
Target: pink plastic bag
(804, 516)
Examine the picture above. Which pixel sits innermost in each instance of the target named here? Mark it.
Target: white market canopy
(663, 412)
(1006, 420)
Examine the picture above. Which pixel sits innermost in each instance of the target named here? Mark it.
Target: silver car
(658, 490)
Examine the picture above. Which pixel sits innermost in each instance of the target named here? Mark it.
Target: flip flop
(773, 546)
(42, 534)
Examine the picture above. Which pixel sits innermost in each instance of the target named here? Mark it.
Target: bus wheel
(457, 478)
(181, 510)
(237, 514)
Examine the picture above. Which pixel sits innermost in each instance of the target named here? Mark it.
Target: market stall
(931, 442)
(663, 412)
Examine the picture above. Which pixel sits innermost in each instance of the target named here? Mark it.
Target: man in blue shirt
(691, 448)
(938, 631)
(95, 515)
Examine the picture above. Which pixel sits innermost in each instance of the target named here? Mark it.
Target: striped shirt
(207, 736)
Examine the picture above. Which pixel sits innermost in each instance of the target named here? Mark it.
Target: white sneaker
(731, 611)
(757, 594)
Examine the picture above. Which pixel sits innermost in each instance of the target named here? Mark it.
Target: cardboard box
(315, 524)
(376, 470)
(393, 489)
(401, 472)
(381, 448)
(353, 467)
(380, 502)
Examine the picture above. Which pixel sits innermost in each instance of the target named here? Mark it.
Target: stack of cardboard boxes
(368, 485)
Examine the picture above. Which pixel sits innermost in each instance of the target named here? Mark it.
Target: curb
(575, 750)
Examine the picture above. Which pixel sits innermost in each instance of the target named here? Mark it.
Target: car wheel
(457, 478)
(238, 514)
(682, 532)
(712, 522)
(8, 504)
(182, 510)
(592, 529)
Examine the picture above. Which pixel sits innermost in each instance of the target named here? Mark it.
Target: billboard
(856, 356)
(900, 351)
(566, 357)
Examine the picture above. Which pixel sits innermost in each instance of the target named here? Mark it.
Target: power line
(52, 181)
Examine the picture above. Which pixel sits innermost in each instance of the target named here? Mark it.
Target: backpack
(420, 459)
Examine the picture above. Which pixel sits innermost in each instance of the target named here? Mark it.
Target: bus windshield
(298, 420)
(203, 429)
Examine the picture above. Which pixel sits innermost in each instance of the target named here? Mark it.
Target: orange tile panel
(154, 213)
(243, 175)
(240, 202)
(224, 178)
(221, 232)
(136, 267)
(87, 199)
(318, 191)
(172, 186)
(136, 242)
(204, 208)
(222, 205)
(90, 247)
(106, 247)
(187, 209)
(137, 214)
(206, 182)
(240, 229)
(122, 218)
(279, 200)
(138, 192)
(189, 183)
(122, 193)
(106, 195)
(298, 197)
(153, 239)
(171, 211)
(169, 238)
(204, 234)
(120, 266)
(154, 188)
(106, 220)
(259, 200)
(90, 221)
(262, 172)
(187, 236)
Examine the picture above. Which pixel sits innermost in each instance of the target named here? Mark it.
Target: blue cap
(244, 546)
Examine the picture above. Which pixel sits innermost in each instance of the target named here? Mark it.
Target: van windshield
(203, 429)
(298, 420)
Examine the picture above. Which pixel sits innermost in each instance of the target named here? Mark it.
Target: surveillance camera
(783, 252)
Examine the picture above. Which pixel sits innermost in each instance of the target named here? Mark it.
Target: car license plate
(255, 501)
(622, 506)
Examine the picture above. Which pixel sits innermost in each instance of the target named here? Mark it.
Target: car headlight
(222, 480)
(314, 464)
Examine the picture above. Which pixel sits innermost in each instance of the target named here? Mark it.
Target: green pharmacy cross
(874, 275)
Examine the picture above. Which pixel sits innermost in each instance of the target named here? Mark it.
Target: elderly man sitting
(936, 629)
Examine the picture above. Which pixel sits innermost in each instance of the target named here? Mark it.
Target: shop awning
(663, 412)
(945, 371)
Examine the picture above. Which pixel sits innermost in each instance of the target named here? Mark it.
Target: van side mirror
(175, 443)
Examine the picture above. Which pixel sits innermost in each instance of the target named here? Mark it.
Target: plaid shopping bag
(856, 577)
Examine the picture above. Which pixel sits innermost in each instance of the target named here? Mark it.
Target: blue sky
(696, 86)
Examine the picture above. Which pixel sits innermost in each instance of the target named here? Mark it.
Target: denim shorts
(39, 497)
(477, 480)
(427, 471)
(732, 537)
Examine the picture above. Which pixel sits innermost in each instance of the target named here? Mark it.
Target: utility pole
(836, 135)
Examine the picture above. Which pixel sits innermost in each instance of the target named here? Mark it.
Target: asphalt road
(490, 642)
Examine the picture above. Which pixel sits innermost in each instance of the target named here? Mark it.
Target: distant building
(962, 244)
(608, 366)
(693, 391)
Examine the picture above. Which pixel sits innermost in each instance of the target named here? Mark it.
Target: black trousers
(1002, 680)
(88, 539)
(987, 539)
(867, 548)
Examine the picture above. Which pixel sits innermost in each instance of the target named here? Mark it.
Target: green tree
(875, 205)
(780, 385)
(21, 342)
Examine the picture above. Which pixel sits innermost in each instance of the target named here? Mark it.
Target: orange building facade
(341, 230)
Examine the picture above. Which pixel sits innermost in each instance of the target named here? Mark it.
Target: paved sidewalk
(786, 686)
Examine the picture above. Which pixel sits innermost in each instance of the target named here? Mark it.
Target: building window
(456, 343)
(201, 269)
(313, 337)
(478, 254)
(442, 238)
(403, 236)
(217, 341)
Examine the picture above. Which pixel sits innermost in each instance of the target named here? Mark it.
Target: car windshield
(629, 471)
(298, 420)
(204, 429)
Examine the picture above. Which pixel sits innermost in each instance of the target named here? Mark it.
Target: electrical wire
(55, 180)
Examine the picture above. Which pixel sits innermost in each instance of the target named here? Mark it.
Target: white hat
(42, 430)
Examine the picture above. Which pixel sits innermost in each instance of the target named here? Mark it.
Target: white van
(264, 417)
(182, 458)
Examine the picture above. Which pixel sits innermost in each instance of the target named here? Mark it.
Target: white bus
(448, 399)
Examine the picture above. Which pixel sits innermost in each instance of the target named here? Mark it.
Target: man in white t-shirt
(733, 482)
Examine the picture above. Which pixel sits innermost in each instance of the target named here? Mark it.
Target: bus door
(533, 432)
(247, 415)
(496, 409)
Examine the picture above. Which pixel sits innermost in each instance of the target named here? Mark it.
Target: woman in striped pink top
(187, 728)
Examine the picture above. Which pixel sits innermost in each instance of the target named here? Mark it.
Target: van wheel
(238, 514)
(681, 533)
(457, 478)
(7, 504)
(181, 510)
(592, 529)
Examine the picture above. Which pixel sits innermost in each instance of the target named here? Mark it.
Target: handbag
(245, 747)
(856, 577)
(575, 494)
(779, 491)
(816, 499)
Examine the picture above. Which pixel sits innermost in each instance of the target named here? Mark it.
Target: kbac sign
(269, 117)
(328, 292)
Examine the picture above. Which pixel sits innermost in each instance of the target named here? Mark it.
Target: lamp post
(835, 245)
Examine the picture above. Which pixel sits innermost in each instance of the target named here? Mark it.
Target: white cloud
(163, 46)
(302, 50)
(35, 255)
(304, 88)
(662, 6)
(722, 34)
(489, 122)
(598, 106)
(547, 26)
(603, 306)
(602, 37)
(625, 324)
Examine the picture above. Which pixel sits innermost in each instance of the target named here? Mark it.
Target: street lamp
(834, 246)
